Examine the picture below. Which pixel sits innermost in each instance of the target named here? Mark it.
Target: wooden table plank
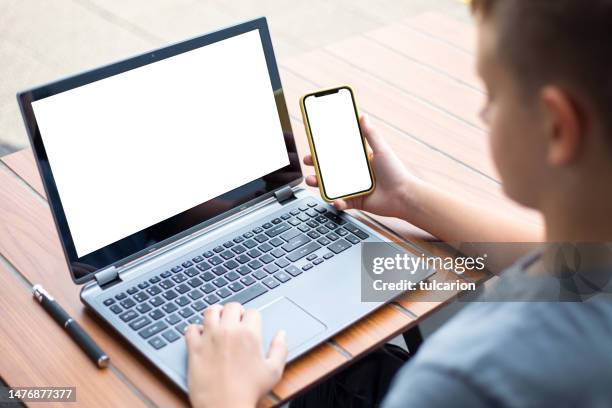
(374, 330)
(42, 363)
(445, 29)
(438, 90)
(23, 164)
(437, 55)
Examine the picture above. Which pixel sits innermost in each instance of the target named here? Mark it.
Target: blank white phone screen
(335, 134)
(134, 149)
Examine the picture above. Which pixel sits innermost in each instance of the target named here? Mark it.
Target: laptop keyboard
(160, 308)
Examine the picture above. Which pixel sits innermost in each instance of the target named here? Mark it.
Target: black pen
(75, 331)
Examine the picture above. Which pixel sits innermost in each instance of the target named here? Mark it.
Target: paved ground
(41, 40)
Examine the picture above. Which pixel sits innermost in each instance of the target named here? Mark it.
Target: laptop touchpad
(284, 314)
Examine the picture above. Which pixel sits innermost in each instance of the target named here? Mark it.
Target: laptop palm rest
(284, 314)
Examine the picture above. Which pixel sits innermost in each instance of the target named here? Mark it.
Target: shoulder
(522, 352)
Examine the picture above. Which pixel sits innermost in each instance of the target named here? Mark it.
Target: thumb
(193, 338)
(277, 354)
(378, 143)
(343, 205)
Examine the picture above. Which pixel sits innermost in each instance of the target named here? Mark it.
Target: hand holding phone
(393, 180)
(337, 144)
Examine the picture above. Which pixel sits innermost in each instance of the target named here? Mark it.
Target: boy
(546, 66)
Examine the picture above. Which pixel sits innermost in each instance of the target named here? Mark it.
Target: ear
(563, 127)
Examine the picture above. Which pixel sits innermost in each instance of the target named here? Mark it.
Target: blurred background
(42, 40)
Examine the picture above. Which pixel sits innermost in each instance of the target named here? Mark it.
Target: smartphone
(337, 144)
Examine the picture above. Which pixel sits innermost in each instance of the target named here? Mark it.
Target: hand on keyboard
(230, 341)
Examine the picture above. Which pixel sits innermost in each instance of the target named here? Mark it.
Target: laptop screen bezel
(82, 269)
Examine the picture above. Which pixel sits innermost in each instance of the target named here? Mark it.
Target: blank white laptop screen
(137, 148)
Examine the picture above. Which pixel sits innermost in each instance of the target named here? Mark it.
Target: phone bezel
(311, 143)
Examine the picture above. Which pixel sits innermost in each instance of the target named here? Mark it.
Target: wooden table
(416, 81)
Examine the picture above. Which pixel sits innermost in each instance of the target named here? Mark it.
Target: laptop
(173, 179)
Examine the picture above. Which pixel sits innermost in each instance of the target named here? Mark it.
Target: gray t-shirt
(514, 354)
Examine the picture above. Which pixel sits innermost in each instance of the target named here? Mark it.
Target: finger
(312, 181)
(308, 160)
(252, 319)
(193, 338)
(369, 151)
(231, 314)
(341, 205)
(277, 354)
(212, 317)
(377, 142)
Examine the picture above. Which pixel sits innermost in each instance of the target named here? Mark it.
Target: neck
(581, 218)
(577, 205)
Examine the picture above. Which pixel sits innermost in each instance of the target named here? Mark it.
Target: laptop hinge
(106, 276)
(284, 194)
